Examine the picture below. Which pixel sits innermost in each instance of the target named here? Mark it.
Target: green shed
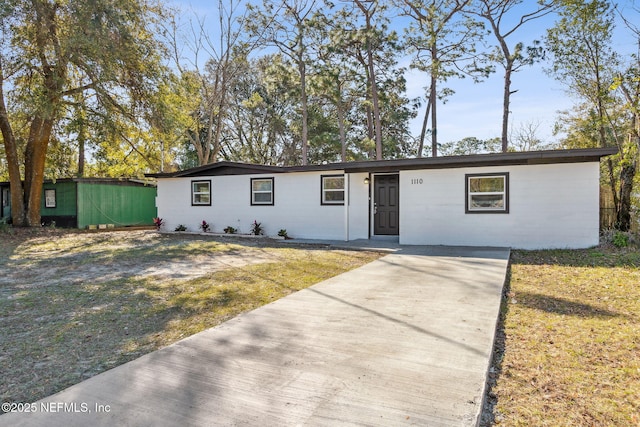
(80, 202)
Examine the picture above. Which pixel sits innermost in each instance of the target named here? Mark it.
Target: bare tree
(215, 76)
(499, 14)
(285, 25)
(444, 41)
(526, 137)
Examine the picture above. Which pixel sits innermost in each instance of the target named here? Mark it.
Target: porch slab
(404, 340)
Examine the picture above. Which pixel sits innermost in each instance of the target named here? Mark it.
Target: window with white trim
(332, 190)
(487, 193)
(201, 193)
(261, 191)
(50, 198)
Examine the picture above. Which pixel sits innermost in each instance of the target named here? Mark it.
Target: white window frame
(195, 193)
(324, 190)
(50, 198)
(255, 202)
(504, 193)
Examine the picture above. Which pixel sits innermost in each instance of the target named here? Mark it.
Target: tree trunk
(26, 196)
(370, 130)
(505, 105)
(305, 113)
(369, 97)
(222, 90)
(341, 129)
(433, 99)
(423, 132)
(371, 78)
(11, 152)
(623, 214)
(374, 99)
(35, 156)
(81, 148)
(434, 136)
(613, 184)
(602, 132)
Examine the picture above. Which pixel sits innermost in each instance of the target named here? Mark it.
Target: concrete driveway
(405, 340)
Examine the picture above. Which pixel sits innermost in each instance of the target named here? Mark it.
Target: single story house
(529, 200)
(80, 202)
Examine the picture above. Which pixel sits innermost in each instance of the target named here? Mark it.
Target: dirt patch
(79, 258)
(74, 304)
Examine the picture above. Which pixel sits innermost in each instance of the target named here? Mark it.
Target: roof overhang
(220, 168)
(447, 162)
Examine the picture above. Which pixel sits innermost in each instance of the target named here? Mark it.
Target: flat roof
(112, 181)
(581, 155)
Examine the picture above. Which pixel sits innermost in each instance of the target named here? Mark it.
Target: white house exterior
(532, 200)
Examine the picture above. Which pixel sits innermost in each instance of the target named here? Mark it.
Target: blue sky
(476, 109)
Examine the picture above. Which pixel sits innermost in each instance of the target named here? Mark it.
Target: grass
(77, 304)
(571, 330)
(569, 353)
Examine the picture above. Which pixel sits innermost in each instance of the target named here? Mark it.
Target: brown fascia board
(475, 160)
(220, 168)
(495, 159)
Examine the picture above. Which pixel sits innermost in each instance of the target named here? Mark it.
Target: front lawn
(74, 304)
(571, 340)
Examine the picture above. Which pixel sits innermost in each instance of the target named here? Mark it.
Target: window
(332, 190)
(49, 198)
(200, 193)
(487, 193)
(262, 191)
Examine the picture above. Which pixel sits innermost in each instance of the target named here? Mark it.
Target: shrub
(158, 222)
(620, 239)
(230, 230)
(256, 228)
(181, 228)
(283, 233)
(204, 226)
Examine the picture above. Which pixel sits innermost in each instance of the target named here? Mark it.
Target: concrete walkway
(405, 340)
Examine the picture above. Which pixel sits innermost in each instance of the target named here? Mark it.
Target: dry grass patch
(75, 304)
(572, 340)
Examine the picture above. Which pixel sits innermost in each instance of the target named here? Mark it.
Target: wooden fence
(608, 212)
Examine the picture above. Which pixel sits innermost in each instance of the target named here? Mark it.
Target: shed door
(386, 218)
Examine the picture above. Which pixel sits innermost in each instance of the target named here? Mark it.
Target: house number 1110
(415, 181)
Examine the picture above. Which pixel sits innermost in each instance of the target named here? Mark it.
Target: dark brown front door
(386, 218)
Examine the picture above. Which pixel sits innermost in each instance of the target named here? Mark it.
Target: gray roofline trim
(476, 160)
(113, 181)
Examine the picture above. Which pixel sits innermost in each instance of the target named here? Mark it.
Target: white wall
(550, 206)
(358, 206)
(296, 206)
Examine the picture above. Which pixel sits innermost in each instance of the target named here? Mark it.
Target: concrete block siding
(553, 200)
(550, 206)
(296, 207)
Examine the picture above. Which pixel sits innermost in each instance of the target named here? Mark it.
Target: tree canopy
(124, 87)
(60, 60)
